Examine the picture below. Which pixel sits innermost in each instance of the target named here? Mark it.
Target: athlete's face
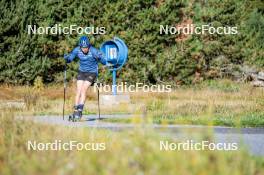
(85, 50)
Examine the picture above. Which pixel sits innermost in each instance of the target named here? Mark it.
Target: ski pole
(98, 100)
(64, 91)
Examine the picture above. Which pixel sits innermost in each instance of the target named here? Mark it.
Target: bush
(153, 58)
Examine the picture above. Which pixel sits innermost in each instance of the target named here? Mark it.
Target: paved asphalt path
(249, 138)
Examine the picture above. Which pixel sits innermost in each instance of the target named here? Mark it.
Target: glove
(109, 64)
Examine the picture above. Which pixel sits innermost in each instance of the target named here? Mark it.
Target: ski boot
(77, 114)
(80, 110)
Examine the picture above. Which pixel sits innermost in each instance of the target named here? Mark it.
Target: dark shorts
(86, 76)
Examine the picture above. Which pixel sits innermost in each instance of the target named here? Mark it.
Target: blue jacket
(89, 61)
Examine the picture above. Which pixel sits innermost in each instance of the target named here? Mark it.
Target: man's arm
(98, 55)
(69, 57)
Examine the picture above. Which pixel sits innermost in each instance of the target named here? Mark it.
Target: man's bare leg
(77, 112)
(78, 91)
(85, 86)
(81, 89)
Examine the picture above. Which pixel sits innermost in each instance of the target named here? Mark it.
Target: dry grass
(129, 152)
(224, 103)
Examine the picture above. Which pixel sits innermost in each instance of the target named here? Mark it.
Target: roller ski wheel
(73, 118)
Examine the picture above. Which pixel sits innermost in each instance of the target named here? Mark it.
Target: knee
(83, 91)
(78, 92)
